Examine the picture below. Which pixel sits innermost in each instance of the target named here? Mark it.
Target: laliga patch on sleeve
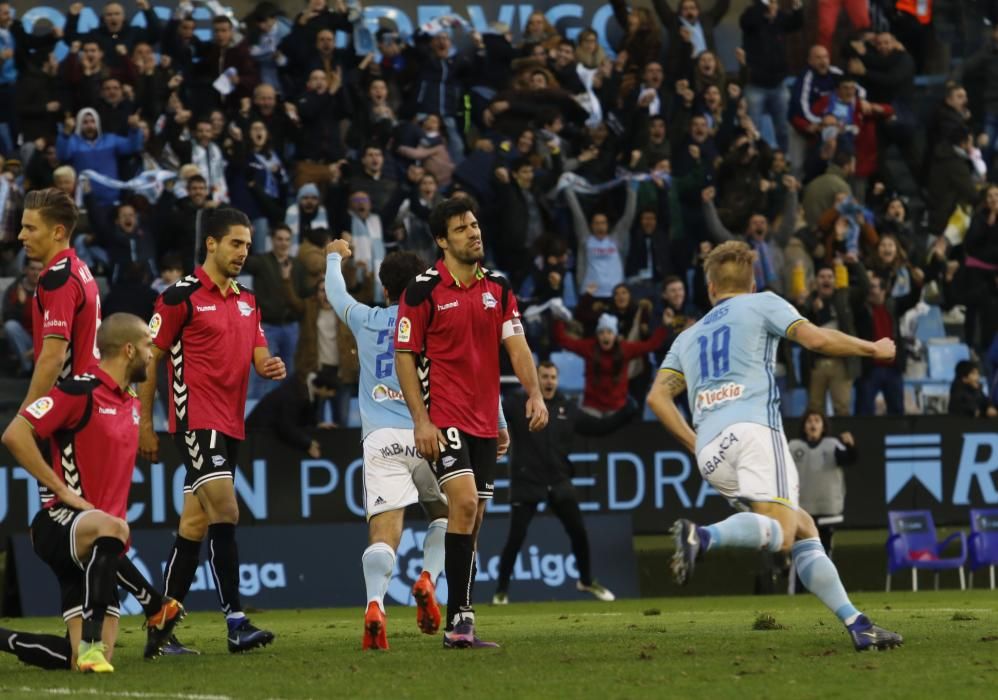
(155, 323)
(40, 407)
(404, 330)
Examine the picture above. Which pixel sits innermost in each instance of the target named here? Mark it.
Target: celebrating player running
(726, 363)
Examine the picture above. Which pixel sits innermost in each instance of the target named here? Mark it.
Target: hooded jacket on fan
(100, 155)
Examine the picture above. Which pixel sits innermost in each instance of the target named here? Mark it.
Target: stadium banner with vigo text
(311, 566)
(405, 16)
(947, 465)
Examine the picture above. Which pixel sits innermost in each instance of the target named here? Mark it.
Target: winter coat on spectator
(183, 54)
(680, 52)
(980, 74)
(810, 87)
(950, 182)
(100, 155)
(865, 142)
(821, 193)
(215, 60)
(606, 373)
(644, 46)
(298, 221)
(321, 115)
(84, 90)
(181, 221)
(765, 42)
(35, 89)
(128, 36)
(440, 83)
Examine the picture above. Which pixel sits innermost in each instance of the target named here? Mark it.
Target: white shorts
(395, 475)
(750, 462)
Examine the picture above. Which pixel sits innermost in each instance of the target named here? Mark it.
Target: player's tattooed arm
(661, 400)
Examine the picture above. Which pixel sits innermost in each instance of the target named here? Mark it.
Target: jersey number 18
(715, 357)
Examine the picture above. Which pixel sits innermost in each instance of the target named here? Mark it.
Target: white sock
(379, 562)
(433, 548)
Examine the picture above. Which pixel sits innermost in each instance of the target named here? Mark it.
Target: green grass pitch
(654, 648)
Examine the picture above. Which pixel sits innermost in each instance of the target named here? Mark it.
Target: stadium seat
(982, 545)
(912, 544)
(571, 371)
(943, 356)
(930, 325)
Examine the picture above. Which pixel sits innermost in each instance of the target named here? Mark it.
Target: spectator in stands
(291, 408)
(966, 397)
(980, 274)
(950, 118)
(116, 37)
(306, 214)
(952, 179)
(819, 457)
(605, 397)
(818, 80)
(274, 277)
(980, 73)
(8, 78)
(180, 44)
(766, 240)
(260, 181)
(824, 191)
(182, 235)
(18, 315)
(642, 42)
(204, 152)
(171, 269)
(82, 144)
(875, 319)
(601, 250)
(321, 109)
(521, 217)
(830, 305)
(264, 35)
(690, 31)
(414, 218)
(764, 37)
(125, 240)
(223, 55)
(130, 291)
(39, 100)
(647, 254)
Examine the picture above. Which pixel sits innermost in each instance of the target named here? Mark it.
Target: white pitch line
(113, 693)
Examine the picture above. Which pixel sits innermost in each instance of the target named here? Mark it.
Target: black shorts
(53, 537)
(467, 454)
(208, 455)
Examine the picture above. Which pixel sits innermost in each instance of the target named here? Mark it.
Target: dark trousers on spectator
(564, 503)
(876, 380)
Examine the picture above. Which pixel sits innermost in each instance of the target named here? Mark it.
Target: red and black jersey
(67, 305)
(457, 332)
(93, 428)
(211, 339)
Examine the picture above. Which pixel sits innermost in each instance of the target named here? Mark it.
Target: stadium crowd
(605, 167)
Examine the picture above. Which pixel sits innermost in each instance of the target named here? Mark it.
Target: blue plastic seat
(571, 371)
(982, 545)
(930, 325)
(943, 358)
(913, 545)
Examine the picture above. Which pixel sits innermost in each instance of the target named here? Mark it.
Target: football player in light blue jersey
(725, 363)
(395, 474)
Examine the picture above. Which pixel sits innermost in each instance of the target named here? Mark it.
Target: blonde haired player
(725, 362)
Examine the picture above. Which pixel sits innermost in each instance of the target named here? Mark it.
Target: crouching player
(92, 423)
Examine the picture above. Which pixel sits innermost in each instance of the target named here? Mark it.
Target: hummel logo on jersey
(206, 308)
(448, 305)
(379, 501)
(107, 411)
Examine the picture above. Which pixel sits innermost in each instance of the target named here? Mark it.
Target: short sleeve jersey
(92, 426)
(211, 339)
(67, 306)
(728, 360)
(456, 331)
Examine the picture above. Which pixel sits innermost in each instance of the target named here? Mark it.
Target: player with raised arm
(451, 321)
(91, 422)
(210, 326)
(726, 362)
(395, 475)
(66, 316)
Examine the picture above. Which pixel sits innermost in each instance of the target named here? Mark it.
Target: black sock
(181, 567)
(224, 558)
(43, 650)
(459, 560)
(100, 591)
(135, 583)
